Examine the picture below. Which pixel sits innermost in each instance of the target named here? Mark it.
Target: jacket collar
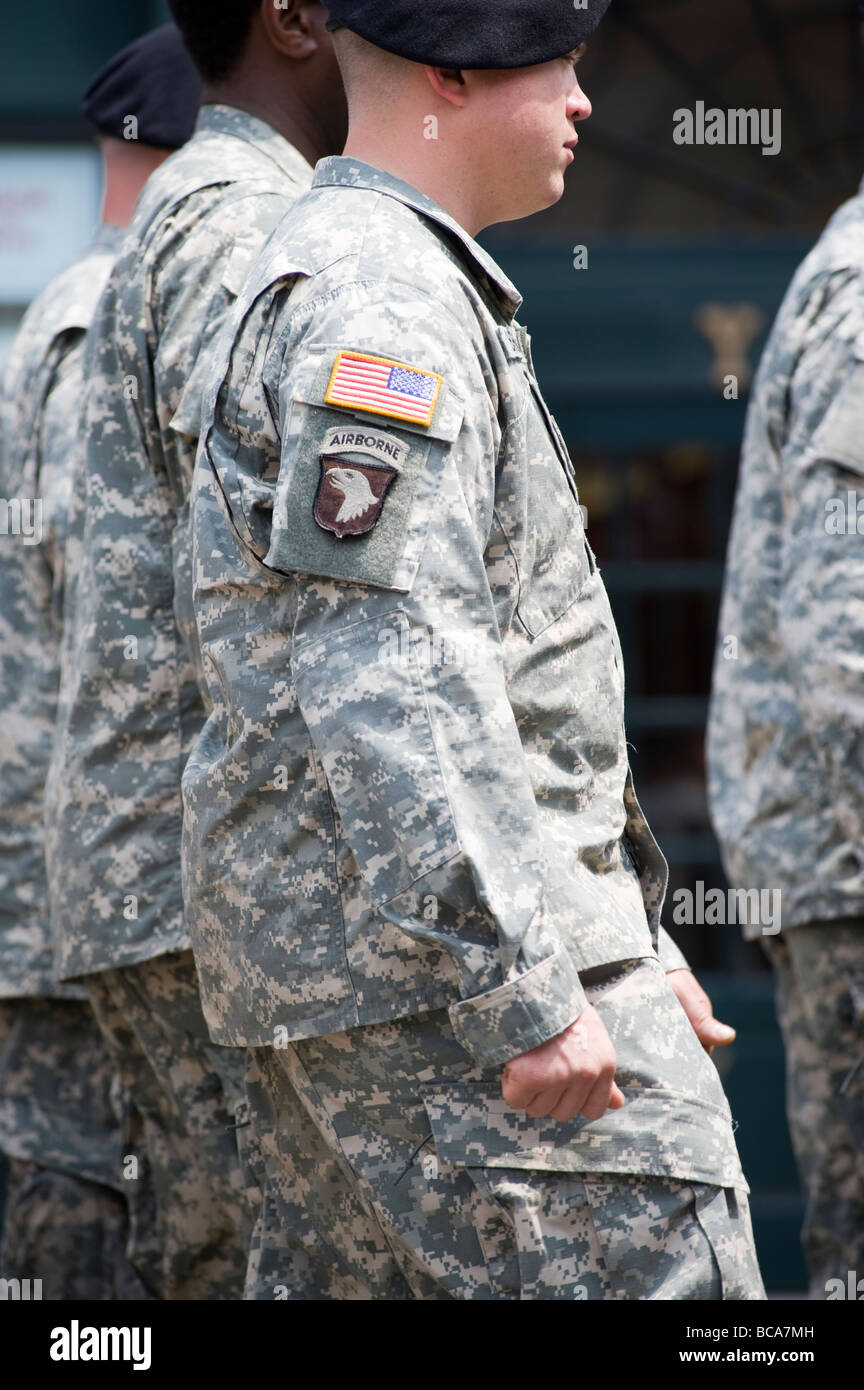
(230, 120)
(353, 173)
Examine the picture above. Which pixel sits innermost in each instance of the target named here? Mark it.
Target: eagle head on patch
(351, 496)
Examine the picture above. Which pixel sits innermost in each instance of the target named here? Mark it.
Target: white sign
(49, 208)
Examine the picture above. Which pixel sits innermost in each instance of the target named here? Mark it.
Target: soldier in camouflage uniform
(787, 714)
(66, 1216)
(414, 855)
(131, 703)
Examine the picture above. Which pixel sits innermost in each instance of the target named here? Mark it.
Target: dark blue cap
(154, 80)
(472, 33)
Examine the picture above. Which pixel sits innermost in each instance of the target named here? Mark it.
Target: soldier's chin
(552, 194)
(537, 199)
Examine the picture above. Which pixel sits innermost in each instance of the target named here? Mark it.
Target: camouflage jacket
(786, 730)
(412, 791)
(130, 699)
(38, 438)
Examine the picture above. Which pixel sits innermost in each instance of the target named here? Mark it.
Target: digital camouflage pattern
(130, 700)
(410, 808)
(398, 1172)
(131, 703)
(66, 1221)
(39, 433)
(413, 790)
(190, 1218)
(65, 1217)
(820, 1004)
(787, 713)
(58, 1090)
(69, 1235)
(787, 709)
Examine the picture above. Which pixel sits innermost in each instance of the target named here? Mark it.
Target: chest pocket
(538, 510)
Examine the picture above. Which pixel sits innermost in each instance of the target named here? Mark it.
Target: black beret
(155, 80)
(472, 33)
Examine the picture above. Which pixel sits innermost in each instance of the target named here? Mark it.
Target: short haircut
(363, 65)
(215, 32)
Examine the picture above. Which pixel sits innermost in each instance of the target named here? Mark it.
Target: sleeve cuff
(671, 955)
(516, 1017)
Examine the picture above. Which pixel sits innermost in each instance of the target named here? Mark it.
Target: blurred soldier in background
(415, 856)
(272, 104)
(66, 1218)
(786, 729)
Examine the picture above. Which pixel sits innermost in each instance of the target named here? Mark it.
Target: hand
(571, 1074)
(697, 1006)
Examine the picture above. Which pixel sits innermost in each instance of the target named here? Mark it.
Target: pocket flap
(658, 1133)
(314, 386)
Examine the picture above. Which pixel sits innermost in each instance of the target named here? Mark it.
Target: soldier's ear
(287, 26)
(448, 83)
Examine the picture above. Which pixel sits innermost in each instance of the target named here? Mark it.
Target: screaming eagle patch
(358, 467)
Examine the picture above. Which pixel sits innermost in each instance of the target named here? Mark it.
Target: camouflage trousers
(66, 1223)
(189, 1212)
(375, 1191)
(819, 970)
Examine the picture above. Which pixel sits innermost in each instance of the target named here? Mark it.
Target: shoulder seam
(361, 283)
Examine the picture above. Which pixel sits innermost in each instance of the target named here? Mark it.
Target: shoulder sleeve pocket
(840, 437)
(356, 489)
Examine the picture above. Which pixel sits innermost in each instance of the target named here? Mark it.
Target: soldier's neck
(126, 168)
(440, 175)
(284, 110)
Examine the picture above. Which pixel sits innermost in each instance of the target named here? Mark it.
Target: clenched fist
(571, 1074)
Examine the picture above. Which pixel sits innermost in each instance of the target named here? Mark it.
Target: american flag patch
(384, 387)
